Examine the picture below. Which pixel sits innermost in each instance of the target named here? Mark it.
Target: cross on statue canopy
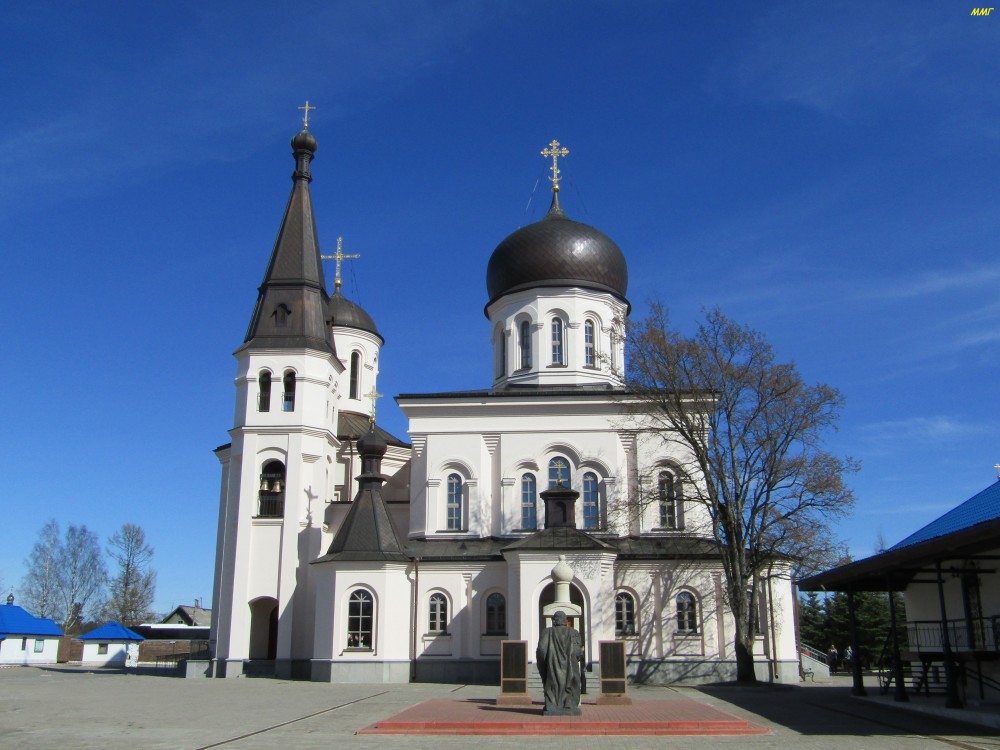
(305, 119)
(373, 395)
(338, 256)
(555, 152)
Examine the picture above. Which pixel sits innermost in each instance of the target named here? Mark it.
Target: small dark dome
(346, 314)
(304, 141)
(556, 251)
(372, 445)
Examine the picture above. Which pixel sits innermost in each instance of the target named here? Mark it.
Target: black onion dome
(304, 140)
(557, 251)
(347, 314)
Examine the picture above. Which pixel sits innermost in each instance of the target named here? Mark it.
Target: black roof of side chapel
(291, 310)
(367, 532)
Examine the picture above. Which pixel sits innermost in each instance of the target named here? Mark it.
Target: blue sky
(824, 172)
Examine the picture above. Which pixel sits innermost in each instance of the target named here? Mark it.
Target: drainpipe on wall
(413, 619)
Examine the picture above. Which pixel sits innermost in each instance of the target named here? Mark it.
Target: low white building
(26, 639)
(110, 645)
(443, 549)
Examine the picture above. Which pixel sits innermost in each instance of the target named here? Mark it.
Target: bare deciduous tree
(752, 429)
(38, 591)
(82, 575)
(134, 583)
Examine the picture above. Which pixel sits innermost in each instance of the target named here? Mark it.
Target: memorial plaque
(513, 673)
(614, 677)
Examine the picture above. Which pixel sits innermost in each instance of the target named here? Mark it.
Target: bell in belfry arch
(264, 486)
(277, 485)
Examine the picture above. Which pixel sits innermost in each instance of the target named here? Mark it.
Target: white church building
(347, 554)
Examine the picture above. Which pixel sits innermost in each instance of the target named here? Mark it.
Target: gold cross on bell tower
(373, 395)
(555, 152)
(305, 119)
(338, 256)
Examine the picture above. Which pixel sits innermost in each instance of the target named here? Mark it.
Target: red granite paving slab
(484, 717)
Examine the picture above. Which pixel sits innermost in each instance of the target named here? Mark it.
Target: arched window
(288, 396)
(437, 614)
(670, 501)
(589, 344)
(355, 388)
(264, 391)
(454, 503)
(281, 313)
(624, 614)
(529, 517)
(525, 345)
(496, 614)
(591, 502)
(500, 349)
(687, 613)
(559, 472)
(557, 342)
(271, 497)
(360, 620)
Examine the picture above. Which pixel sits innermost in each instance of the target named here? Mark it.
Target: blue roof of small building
(982, 507)
(112, 631)
(16, 620)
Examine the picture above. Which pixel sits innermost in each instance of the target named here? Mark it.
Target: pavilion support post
(859, 684)
(954, 700)
(899, 694)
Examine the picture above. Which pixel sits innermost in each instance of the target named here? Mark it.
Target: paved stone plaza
(71, 708)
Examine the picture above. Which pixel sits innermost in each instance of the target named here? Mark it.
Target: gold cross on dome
(559, 465)
(555, 152)
(305, 119)
(373, 395)
(338, 256)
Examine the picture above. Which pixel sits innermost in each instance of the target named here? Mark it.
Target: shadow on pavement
(833, 711)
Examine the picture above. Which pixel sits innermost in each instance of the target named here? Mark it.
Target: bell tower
(276, 471)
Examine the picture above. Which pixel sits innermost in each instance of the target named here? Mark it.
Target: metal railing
(977, 634)
(270, 505)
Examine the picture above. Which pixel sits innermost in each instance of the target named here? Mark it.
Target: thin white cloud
(919, 430)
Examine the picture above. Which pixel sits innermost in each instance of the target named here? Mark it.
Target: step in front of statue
(593, 679)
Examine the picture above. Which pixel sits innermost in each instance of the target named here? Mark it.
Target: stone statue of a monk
(559, 654)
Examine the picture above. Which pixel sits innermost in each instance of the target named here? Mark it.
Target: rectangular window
(589, 355)
(24, 644)
(529, 519)
(39, 645)
(102, 648)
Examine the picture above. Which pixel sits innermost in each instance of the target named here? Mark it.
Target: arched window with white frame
(360, 620)
(454, 515)
(558, 341)
(500, 352)
(591, 501)
(437, 613)
(624, 614)
(355, 384)
(559, 472)
(589, 344)
(288, 394)
(271, 496)
(529, 502)
(496, 614)
(524, 345)
(687, 613)
(670, 506)
(264, 391)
